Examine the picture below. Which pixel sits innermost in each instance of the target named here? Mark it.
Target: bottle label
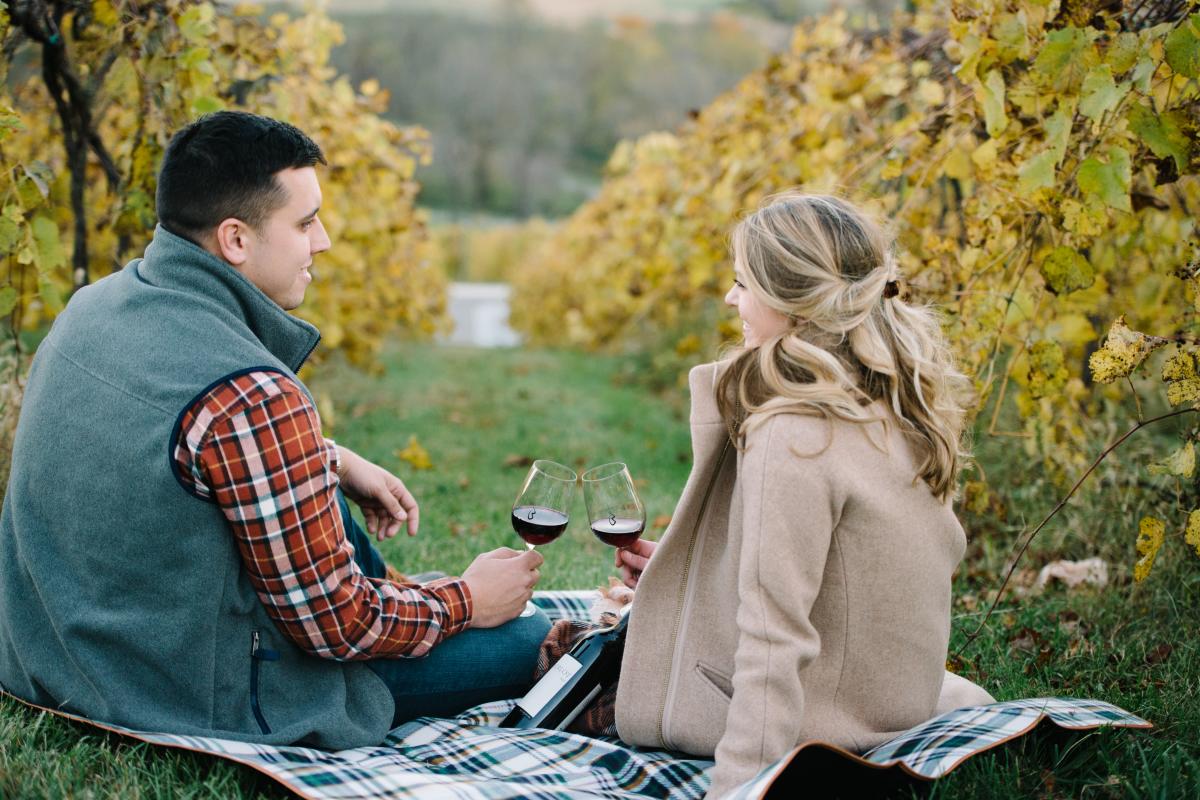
(545, 689)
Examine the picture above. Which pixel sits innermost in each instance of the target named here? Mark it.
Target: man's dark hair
(223, 165)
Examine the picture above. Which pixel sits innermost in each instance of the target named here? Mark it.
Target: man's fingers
(503, 552)
(533, 558)
(414, 520)
(408, 503)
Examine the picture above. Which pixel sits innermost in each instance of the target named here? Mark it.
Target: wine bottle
(592, 665)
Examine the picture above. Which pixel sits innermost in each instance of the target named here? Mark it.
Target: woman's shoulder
(813, 434)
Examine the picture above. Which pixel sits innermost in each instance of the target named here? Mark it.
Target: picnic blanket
(468, 758)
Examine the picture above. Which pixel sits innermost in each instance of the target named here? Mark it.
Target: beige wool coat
(801, 591)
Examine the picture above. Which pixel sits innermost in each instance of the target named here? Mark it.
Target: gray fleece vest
(122, 595)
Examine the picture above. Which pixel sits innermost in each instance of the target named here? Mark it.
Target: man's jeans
(471, 667)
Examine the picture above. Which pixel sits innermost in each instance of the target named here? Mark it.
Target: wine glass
(614, 509)
(542, 508)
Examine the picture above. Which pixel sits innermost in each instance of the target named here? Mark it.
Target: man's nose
(320, 241)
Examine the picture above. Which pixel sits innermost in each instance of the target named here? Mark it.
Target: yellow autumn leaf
(1192, 534)
(1149, 540)
(1183, 383)
(1181, 463)
(1123, 350)
(1047, 373)
(416, 455)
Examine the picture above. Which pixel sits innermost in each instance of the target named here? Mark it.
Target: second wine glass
(615, 511)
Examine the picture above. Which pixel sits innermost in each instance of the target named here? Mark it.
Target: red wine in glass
(538, 525)
(617, 531)
(614, 508)
(540, 512)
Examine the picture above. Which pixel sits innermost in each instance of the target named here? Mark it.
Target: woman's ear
(232, 241)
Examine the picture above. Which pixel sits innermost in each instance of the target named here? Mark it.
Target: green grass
(476, 412)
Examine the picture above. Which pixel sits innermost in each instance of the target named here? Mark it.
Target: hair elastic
(891, 289)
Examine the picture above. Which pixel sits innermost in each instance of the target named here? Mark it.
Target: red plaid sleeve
(253, 446)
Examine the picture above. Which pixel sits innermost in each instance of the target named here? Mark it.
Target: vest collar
(175, 263)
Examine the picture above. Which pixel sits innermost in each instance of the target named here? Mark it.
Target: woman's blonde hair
(831, 270)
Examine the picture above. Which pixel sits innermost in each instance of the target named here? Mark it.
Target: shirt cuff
(460, 608)
(335, 460)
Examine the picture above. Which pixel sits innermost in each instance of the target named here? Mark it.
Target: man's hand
(501, 582)
(633, 560)
(385, 502)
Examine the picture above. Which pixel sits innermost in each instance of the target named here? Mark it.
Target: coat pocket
(716, 680)
(258, 654)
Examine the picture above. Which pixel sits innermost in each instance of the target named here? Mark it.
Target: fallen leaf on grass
(1159, 654)
(1027, 640)
(515, 460)
(661, 521)
(1090, 572)
(415, 454)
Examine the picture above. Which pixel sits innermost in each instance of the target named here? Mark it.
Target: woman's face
(759, 321)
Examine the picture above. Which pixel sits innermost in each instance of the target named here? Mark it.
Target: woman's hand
(385, 501)
(633, 560)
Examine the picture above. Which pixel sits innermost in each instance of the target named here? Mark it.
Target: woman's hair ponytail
(853, 340)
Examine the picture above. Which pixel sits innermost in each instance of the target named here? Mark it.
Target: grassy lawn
(482, 414)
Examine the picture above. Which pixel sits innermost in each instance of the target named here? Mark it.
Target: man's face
(281, 250)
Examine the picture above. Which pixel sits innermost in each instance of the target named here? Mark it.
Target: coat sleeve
(789, 513)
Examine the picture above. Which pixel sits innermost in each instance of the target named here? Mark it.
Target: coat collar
(174, 263)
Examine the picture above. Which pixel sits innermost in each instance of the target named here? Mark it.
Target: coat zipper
(258, 653)
(687, 572)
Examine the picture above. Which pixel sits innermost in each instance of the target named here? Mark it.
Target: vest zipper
(687, 571)
(258, 653)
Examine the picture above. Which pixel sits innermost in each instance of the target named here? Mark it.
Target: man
(175, 552)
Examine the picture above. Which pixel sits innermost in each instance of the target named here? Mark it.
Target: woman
(802, 590)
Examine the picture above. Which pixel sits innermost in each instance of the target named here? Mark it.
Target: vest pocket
(716, 680)
(258, 654)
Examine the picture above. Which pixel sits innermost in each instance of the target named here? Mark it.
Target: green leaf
(50, 251)
(1143, 75)
(1037, 172)
(10, 235)
(1183, 48)
(1058, 133)
(50, 295)
(1108, 181)
(41, 175)
(194, 57)
(1100, 93)
(8, 300)
(1066, 58)
(29, 192)
(1012, 36)
(1163, 134)
(196, 24)
(207, 105)
(1122, 54)
(993, 103)
(1066, 270)
(1181, 463)
(9, 121)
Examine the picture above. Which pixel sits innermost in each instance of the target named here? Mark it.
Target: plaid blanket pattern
(932, 749)
(466, 758)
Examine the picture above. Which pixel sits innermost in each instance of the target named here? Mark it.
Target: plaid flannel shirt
(253, 446)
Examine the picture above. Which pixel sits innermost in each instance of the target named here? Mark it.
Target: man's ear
(232, 241)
